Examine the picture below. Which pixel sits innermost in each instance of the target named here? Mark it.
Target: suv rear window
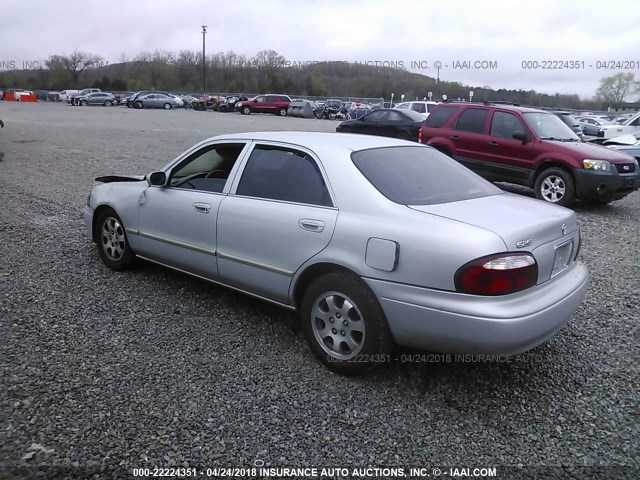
(420, 176)
(472, 120)
(440, 116)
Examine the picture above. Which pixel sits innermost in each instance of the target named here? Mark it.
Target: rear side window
(419, 107)
(440, 116)
(420, 176)
(472, 120)
(283, 174)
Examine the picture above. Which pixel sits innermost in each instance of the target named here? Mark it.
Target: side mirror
(519, 135)
(158, 179)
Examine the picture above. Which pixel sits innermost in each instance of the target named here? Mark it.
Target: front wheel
(108, 103)
(138, 104)
(344, 324)
(84, 103)
(167, 106)
(245, 110)
(113, 245)
(555, 185)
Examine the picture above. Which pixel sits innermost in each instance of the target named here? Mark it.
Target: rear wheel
(555, 185)
(402, 136)
(344, 324)
(113, 245)
(282, 112)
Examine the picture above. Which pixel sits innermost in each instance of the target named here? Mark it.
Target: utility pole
(204, 62)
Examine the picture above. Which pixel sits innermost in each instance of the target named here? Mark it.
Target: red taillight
(499, 274)
(420, 135)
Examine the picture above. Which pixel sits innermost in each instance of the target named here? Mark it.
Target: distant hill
(268, 72)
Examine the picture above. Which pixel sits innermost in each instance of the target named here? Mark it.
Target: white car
(424, 108)
(611, 131)
(64, 94)
(178, 100)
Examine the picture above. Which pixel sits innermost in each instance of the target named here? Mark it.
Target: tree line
(268, 71)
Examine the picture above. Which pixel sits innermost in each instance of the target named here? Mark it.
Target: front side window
(278, 173)
(504, 124)
(472, 120)
(207, 169)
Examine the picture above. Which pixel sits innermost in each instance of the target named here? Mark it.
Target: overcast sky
(506, 32)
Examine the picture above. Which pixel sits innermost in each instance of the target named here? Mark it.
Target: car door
(279, 214)
(259, 105)
(506, 156)
(468, 137)
(177, 222)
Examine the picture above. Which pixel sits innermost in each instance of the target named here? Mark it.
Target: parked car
(386, 122)
(65, 94)
(277, 104)
(529, 147)
(228, 104)
(374, 241)
(97, 98)
(121, 98)
(131, 101)
(570, 121)
(629, 126)
(71, 99)
(155, 100)
(422, 107)
(591, 125)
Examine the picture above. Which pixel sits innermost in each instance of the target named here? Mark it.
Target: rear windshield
(420, 176)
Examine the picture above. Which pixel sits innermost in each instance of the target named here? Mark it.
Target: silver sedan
(374, 241)
(157, 100)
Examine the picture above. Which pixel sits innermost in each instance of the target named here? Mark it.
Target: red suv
(530, 147)
(278, 104)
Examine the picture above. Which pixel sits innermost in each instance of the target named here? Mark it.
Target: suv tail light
(499, 274)
(420, 135)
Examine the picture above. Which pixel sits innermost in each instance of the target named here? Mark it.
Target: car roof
(319, 141)
(496, 105)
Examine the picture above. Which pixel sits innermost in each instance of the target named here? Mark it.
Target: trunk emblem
(564, 228)
(524, 243)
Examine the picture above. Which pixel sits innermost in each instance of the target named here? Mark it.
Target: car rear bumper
(450, 322)
(87, 215)
(605, 186)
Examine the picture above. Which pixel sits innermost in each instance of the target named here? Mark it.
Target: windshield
(420, 176)
(548, 126)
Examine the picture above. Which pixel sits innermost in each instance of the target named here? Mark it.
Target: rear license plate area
(563, 255)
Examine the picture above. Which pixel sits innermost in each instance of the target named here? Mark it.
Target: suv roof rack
(485, 102)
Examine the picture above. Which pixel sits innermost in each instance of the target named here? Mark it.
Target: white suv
(421, 107)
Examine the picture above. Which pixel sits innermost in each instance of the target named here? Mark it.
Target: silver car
(157, 100)
(95, 98)
(374, 241)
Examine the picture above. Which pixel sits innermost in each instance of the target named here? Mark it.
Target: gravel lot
(151, 368)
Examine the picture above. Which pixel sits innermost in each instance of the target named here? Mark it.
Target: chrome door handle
(311, 225)
(201, 207)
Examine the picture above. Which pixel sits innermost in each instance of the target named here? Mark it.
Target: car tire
(282, 112)
(245, 110)
(84, 103)
(360, 324)
(402, 136)
(113, 244)
(167, 106)
(555, 185)
(108, 103)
